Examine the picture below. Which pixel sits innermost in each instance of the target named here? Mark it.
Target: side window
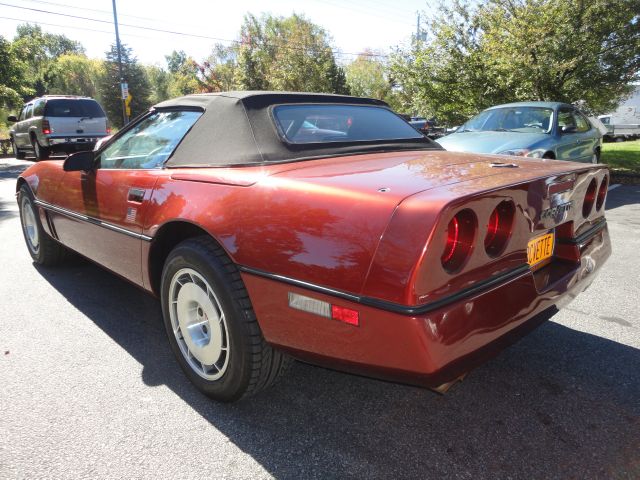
(582, 123)
(23, 114)
(38, 109)
(566, 121)
(150, 142)
(29, 112)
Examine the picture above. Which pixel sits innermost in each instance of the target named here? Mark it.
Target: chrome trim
(91, 220)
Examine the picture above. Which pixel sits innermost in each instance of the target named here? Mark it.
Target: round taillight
(589, 198)
(499, 228)
(461, 232)
(602, 192)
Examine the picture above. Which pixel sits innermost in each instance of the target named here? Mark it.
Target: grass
(622, 157)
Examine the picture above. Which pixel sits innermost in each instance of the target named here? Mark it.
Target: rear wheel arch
(165, 240)
(549, 154)
(21, 181)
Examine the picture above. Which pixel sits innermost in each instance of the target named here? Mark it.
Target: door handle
(136, 195)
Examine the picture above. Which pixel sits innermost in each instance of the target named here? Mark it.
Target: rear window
(340, 123)
(73, 108)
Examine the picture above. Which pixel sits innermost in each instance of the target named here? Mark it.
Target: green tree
(219, 71)
(13, 83)
(366, 77)
(73, 74)
(278, 53)
(38, 51)
(159, 82)
(176, 60)
(183, 71)
(496, 51)
(109, 84)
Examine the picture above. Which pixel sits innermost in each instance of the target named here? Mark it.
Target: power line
(366, 9)
(173, 32)
(71, 26)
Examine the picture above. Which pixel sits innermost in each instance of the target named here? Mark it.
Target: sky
(354, 25)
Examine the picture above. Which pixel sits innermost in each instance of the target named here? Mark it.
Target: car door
(100, 213)
(587, 137)
(22, 128)
(569, 141)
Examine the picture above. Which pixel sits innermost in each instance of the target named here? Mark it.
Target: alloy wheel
(199, 324)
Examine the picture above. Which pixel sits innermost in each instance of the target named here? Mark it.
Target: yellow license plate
(540, 248)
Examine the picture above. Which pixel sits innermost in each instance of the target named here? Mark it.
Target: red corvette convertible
(320, 227)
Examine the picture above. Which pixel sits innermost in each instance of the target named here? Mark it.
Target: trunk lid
(402, 174)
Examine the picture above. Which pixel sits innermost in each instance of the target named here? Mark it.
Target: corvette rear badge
(556, 212)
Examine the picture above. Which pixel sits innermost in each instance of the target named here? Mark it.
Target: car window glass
(566, 120)
(29, 111)
(511, 119)
(38, 109)
(605, 120)
(340, 123)
(73, 107)
(582, 124)
(23, 113)
(150, 142)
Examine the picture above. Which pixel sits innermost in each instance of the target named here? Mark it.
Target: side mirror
(569, 129)
(81, 161)
(12, 118)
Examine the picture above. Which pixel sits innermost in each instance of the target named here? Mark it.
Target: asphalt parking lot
(89, 388)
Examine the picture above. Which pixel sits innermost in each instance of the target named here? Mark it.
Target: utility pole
(124, 88)
(420, 35)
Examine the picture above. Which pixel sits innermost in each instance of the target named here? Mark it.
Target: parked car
(427, 127)
(57, 123)
(373, 251)
(529, 129)
(624, 123)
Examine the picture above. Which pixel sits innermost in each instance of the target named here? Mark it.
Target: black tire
(47, 252)
(17, 153)
(41, 153)
(252, 364)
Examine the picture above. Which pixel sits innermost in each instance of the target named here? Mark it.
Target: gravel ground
(90, 389)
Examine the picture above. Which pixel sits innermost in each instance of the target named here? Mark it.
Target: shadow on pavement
(8, 170)
(559, 404)
(623, 195)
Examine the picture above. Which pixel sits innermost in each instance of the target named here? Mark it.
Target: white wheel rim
(198, 324)
(30, 226)
(594, 159)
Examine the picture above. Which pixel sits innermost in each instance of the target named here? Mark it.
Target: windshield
(73, 108)
(340, 123)
(511, 119)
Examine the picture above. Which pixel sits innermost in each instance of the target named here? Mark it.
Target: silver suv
(57, 123)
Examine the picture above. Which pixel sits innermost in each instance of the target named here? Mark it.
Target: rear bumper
(429, 348)
(73, 143)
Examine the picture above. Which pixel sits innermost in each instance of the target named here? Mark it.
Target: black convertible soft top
(237, 128)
